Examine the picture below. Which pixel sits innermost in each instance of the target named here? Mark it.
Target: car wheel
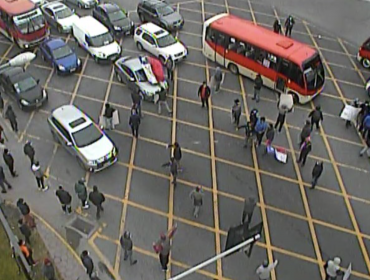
(139, 46)
(141, 17)
(365, 62)
(233, 68)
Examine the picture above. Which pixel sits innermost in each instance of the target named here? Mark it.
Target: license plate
(72, 70)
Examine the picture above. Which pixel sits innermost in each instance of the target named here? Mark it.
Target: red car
(363, 54)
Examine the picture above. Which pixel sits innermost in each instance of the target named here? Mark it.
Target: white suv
(159, 42)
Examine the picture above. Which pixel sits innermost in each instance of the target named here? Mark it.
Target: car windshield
(141, 76)
(87, 136)
(101, 40)
(61, 14)
(314, 73)
(117, 15)
(62, 52)
(25, 85)
(165, 10)
(166, 41)
(29, 22)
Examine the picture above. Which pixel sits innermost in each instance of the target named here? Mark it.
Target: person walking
(170, 67)
(10, 115)
(248, 209)
(316, 173)
(127, 246)
(316, 117)
(163, 247)
(216, 81)
(253, 118)
(258, 83)
(27, 252)
(39, 175)
(277, 27)
(248, 133)
(280, 120)
(236, 112)
(196, 196)
(9, 161)
(264, 270)
(4, 181)
(176, 152)
(25, 230)
(204, 92)
(260, 130)
(97, 198)
(81, 191)
(24, 209)
(87, 262)
(137, 99)
(162, 100)
(2, 134)
(174, 168)
(289, 23)
(48, 270)
(306, 148)
(305, 132)
(108, 116)
(270, 135)
(332, 269)
(65, 200)
(134, 123)
(29, 151)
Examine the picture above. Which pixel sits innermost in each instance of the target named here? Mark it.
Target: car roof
(91, 26)
(55, 6)
(67, 114)
(109, 7)
(55, 43)
(154, 2)
(133, 63)
(154, 29)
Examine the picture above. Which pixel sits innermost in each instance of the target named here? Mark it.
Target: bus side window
(284, 68)
(250, 51)
(240, 48)
(272, 61)
(296, 75)
(210, 35)
(262, 58)
(221, 40)
(232, 44)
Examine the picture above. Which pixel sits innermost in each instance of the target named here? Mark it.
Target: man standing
(81, 191)
(253, 118)
(163, 247)
(316, 116)
(9, 161)
(170, 67)
(127, 246)
(173, 169)
(108, 115)
(39, 175)
(65, 200)
(316, 173)
(289, 23)
(236, 112)
(305, 132)
(277, 26)
(260, 130)
(29, 151)
(176, 152)
(10, 115)
(332, 269)
(258, 83)
(204, 92)
(248, 209)
(3, 181)
(25, 230)
(280, 119)
(197, 196)
(264, 270)
(270, 135)
(248, 133)
(26, 213)
(216, 80)
(306, 148)
(136, 101)
(48, 270)
(97, 198)
(87, 263)
(162, 100)
(134, 123)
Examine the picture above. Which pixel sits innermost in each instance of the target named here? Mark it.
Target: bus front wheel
(233, 68)
(365, 62)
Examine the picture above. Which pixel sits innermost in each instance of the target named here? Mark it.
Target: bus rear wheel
(366, 63)
(233, 68)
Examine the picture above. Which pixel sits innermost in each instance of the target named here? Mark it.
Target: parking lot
(302, 227)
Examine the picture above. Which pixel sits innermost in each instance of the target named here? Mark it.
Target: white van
(96, 39)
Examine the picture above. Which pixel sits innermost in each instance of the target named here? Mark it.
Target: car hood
(68, 61)
(68, 21)
(110, 49)
(174, 49)
(97, 150)
(32, 95)
(125, 23)
(149, 88)
(172, 18)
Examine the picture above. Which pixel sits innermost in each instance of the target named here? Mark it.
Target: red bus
(285, 65)
(363, 54)
(23, 23)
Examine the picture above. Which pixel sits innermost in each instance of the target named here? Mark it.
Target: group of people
(289, 23)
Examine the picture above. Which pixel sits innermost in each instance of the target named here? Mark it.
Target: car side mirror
(69, 144)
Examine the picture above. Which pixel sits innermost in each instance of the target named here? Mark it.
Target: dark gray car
(160, 13)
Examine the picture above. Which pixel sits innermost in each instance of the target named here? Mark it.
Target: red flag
(157, 68)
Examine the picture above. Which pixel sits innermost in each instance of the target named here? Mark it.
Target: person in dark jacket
(97, 198)
(162, 100)
(87, 262)
(29, 151)
(25, 230)
(306, 148)
(170, 67)
(316, 173)
(173, 169)
(289, 23)
(305, 132)
(236, 112)
(270, 135)
(81, 191)
(176, 152)
(134, 123)
(253, 118)
(39, 175)
(196, 196)
(316, 117)
(48, 270)
(260, 130)
(248, 209)
(3, 181)
(280, 119)
(127, 246)
(9, 161)
(277, 27)
(108, 115)
(65, 200)
(248, 133)
(258, 83)
(204, 92)
(10, 115)
(26, 213)
(136, 101)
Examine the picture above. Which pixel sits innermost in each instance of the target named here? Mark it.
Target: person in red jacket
(204, 92)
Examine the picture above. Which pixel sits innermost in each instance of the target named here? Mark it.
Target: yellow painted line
(345, 82)
(47, 170)
(74, 94)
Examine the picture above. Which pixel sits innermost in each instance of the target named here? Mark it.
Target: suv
(160, 13)
(159, 42)
(80, 136)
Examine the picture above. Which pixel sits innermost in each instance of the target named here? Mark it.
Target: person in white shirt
(264, 270)
(332, 269)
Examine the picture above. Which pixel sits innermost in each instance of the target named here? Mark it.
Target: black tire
(365, 63)
(139, 46)
(233, 68)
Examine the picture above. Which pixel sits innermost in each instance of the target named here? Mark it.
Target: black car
(22, 87)
(160, 13)
(114, 18)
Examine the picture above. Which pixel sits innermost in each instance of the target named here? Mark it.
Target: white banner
(349, 113)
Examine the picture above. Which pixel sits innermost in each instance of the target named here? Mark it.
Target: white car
(159, 42)
(60, 16)
(38, 2)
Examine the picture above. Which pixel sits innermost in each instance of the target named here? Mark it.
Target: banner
(348, 272)
(115, 118)
(349, 113)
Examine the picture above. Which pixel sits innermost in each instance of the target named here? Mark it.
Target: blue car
(60, 55)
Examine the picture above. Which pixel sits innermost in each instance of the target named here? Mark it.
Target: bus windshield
(314, 73)
(29, 22)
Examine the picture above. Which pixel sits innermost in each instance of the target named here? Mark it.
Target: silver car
(129, 70)
(60, 16)
(83, 4)
(81, 137)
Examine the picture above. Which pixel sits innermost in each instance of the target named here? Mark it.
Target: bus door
(220, 48)
(283, 72)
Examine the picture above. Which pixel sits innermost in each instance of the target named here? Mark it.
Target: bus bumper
(31, 44)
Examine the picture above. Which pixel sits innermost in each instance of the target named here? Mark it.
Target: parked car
(114, 18)
(96, 39)
(129, 70)
(159, 42)
(60, 55)
(83, 4)
(38, 2)
(83, 138)
(60, 16)
(160, 13)
(22, 87)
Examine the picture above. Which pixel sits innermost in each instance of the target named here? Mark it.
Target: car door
(47, 53)
(48, 14)
(97, 13)
(63, 136)
(155, 16)
(128, 77)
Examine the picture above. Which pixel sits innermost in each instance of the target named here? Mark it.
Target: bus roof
(263, 38)
(16, 7)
